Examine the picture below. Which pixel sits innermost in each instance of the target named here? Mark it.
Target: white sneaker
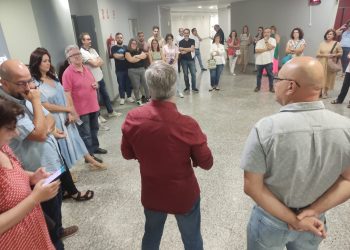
(104, 128)
(181, 95)
(101, 119)
(139, 103)
(122, 101)
(130, 99)
(114, 114)
(233, 74)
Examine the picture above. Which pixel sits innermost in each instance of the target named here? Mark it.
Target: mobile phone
(171, 61)
(66, 123)
(54, 176)
(79, 122)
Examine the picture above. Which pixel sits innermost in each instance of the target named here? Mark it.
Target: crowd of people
(50, 120)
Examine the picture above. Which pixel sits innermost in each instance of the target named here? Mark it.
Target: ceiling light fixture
(199, 7)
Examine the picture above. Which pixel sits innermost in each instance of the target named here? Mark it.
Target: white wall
(55, 29)
(165, 20)
(225, 20)
(19, 28)
(285, 15)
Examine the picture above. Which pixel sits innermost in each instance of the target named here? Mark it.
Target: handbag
(211, 63)
(334, 64)
(286, 58)
(238, 52)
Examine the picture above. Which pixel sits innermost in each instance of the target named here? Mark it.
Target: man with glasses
(35, 144)
(296, 163)
(187, 50)
(81, 89)
(264, 51)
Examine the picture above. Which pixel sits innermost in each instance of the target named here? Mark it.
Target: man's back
(306, 148)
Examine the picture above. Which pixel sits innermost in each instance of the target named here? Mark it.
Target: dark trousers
(123, 83)
(52, 209)
(189, 65)
(260, 69)
(345, 88)
(344, 58)
(179, 64)
(104, 97)
(88, 131)
(189, 225)
(67, 183)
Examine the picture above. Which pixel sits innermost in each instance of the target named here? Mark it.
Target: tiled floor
(114, 218)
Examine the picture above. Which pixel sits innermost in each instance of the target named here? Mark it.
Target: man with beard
(156, 35)
(121, 69)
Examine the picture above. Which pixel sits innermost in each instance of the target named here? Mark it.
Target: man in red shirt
(167, 145)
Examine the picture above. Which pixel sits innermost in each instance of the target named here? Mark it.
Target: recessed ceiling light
(199, 7)
(211, 7)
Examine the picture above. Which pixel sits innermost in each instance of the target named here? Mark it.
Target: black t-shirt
(186, 44)
(120, 64)
(139, 64)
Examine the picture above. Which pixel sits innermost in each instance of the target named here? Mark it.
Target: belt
(298, 210)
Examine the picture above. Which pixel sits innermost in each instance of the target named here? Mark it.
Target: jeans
(344, 88)
(124, 84)
(189, 64)
(344, 58)
(52, 209)
(199, 58)
(189, 225)
(104, 97)
(88, 131)
(260, 69)
(266, 232)
(215, 75)
(137, 78)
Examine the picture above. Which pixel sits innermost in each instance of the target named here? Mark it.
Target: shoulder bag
(211, 63)
(334, 64)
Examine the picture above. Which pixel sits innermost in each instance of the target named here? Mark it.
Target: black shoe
(96, 159)
(186, 89)
(195, 90)
(143, 99)
(272, 90)
(257, 89)
(101, 151)
(204, 69)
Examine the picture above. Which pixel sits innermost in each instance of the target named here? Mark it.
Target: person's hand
(38, 175)
(94, 85)
(310, 224)
(43, 193)
(32, 95)
(59, 134)
(71, 117)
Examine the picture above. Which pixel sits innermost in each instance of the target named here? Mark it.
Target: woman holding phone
(22, 221)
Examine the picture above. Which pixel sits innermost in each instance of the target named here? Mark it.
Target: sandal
(87, 196)
(335, 101)
(66, 196)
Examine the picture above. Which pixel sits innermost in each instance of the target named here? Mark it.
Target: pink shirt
(170, 54)
(79, 84)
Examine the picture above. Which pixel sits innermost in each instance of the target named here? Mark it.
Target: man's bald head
(301, 81)
(307, 71)
(11, 69)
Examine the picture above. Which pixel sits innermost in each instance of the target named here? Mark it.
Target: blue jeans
(266, 232)
(189, 225)
(123, 83)
(199, 58)
(215, 75)
(344, 58)
(260, 69)
(88, 131)
(104, 97)
(189, 64)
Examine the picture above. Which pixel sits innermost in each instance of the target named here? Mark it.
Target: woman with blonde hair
(245, 41)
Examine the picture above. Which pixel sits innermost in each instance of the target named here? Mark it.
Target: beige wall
(19, 28)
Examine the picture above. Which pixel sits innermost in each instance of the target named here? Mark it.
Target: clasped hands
(308, 220)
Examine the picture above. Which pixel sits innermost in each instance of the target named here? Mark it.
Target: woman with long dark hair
(233, 45)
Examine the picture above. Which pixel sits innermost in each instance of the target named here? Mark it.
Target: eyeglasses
(22, 83)
(75, 55)
(277, 79)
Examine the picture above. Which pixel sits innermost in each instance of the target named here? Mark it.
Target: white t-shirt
(178, 39)
(267, 56)
(88, 55)
(196, 41)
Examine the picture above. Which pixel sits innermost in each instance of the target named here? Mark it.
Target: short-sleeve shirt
(88, 55)
(139, 64)
(196, 41)
(345, 39)
(33, 154)
(79, 84)
(186, 44)
(296, 45)
(160, 41)
(120, 64)
(267, 56)
(302, 150)
(170, 54)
